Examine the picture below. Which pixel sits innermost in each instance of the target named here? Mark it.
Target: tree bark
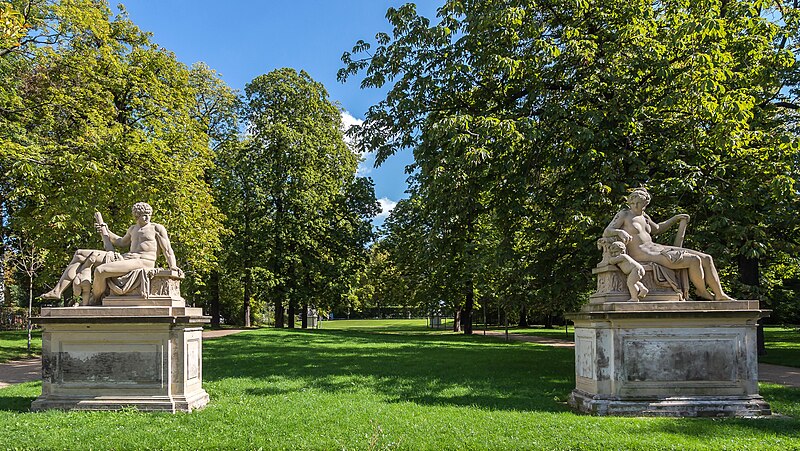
(248, 291)
(749, 275)
(278, 313)
(30, 311)
(291, 314)
(548, 321)
(304, 316)
(523, 316)
(215, 317)
(469, 303)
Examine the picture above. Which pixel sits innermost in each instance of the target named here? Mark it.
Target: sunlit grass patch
(14, 344)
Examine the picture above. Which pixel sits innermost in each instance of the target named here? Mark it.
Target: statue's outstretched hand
(101, 228)
(682, 217)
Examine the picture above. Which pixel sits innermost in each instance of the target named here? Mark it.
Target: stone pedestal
(149, 357)
(664, 284)
(682, 358)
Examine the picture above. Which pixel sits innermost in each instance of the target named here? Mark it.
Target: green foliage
(298, 214)
(93, 116)
(12, 28)
(362, 389)
(529, 122)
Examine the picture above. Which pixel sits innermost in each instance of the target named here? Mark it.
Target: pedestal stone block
(109, 358)
(667, 359)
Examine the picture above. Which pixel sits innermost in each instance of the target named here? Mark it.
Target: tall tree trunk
(291, 313)
(278, 313)
(469, 303)
(304, 316)
(248, 287)
(523, 316)
(248, 269)
(215, 318)
(30, 311)
(457, 320)
(2, 249)
(749, 275)
(548, 321)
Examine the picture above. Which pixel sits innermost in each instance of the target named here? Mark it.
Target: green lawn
(366, 387)
(14, 344)
(374, 324)
(783, 346)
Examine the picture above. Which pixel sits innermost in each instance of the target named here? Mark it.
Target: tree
(217, 109)
(304, 213)
(28, 260)
(540, 116)
(95, 116)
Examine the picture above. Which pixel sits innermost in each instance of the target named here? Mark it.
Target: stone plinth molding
(667, 359)
(109, 358)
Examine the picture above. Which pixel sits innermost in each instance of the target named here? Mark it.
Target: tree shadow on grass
(409, 367)
(18, 397)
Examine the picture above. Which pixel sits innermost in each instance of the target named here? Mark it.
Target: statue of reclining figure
(95, 268)
(633, 227)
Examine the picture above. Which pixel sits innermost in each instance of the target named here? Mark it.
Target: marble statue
(89, 271)
(633, 269)
(634, 228)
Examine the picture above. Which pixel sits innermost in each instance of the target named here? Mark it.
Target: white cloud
(367, 160)
(348, 120)
(387, 205)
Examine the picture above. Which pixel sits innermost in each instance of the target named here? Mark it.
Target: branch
(791, 106)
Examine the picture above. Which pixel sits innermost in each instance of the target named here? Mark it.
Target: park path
(777, 374)
(18, 371)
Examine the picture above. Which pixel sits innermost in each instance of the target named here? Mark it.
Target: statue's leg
(712, 278)
(80, 260)
(641, 289)
(633, 279)
(114, 269)
(697, 275)
(83, 285)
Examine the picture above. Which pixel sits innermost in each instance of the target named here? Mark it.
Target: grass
(14, 344)
(370, 385)
(783, 346)
(556, 332)
(378, 324)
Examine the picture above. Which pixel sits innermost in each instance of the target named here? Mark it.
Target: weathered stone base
(674, 406)
(692, 358)
(110, 358)
(170, 404)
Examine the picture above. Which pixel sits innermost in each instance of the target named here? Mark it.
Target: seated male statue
(144, 238)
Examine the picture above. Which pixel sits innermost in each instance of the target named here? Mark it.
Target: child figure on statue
(629, 266)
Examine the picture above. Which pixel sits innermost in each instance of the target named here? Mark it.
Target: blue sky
(244, 39)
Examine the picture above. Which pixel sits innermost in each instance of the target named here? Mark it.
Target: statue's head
(616, 248)
(639, 194)
(141, 208)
